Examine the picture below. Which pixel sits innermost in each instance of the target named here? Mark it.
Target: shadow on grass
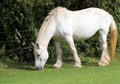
(7, 64)
(15, 65)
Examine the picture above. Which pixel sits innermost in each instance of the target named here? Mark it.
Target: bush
(20, 21)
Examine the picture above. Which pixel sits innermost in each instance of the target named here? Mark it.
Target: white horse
(62, 23)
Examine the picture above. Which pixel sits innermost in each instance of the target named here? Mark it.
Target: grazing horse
(62, 23)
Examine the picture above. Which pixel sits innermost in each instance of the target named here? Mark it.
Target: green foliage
(20, 21)
(17, 30)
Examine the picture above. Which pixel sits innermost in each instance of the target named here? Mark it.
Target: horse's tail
(113, 38)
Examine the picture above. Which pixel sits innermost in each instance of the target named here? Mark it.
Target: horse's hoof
(57, 65)
(77, 66)
(103, 63)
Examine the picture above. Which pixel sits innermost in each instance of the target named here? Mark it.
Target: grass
(88, 74)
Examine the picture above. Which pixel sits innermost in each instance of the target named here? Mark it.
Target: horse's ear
(37, 45)
(33, 44)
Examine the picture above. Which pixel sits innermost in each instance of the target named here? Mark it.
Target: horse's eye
(39, 57)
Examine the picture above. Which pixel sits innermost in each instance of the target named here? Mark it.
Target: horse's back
(91, 15)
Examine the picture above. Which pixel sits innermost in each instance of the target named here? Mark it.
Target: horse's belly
(85, 29)
(81, 37)
(78, 35)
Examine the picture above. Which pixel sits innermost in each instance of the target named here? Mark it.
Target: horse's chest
(58, 35)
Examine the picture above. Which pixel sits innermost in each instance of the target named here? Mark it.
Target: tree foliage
(20, 21)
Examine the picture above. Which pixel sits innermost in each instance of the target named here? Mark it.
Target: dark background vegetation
(20, 21)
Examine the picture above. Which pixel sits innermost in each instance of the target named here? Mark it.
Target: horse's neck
(45, 34)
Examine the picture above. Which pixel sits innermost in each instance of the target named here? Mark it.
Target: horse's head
(41, 56)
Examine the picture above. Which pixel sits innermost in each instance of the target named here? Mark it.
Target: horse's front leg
(58, 63)
(70, 41)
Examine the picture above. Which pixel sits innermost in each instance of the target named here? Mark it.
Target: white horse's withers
(74, 25)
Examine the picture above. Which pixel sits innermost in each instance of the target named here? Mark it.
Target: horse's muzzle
(39, 68)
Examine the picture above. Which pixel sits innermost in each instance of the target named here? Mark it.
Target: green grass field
(88, 74)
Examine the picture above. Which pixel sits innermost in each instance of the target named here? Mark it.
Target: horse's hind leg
(58, 63)
(105, 59)
(70, 42)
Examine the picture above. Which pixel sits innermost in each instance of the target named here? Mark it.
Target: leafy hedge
(20, 21)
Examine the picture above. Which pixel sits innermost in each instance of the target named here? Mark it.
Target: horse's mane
(55, 11)
(48, 19)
